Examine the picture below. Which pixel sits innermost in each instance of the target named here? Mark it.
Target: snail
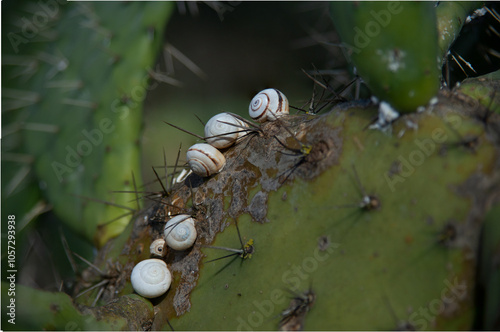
(205, 160)
(268, 105)
(158, 248)
(180, 232)
(151, 278)
(223, 129)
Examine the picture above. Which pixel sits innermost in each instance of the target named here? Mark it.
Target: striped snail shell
(268, 105)
(205, 160)
(180, 232)
(223, 129)
(151, 278)
(158, 248)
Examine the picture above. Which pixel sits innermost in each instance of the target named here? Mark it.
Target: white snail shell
(180, 232)
(205, 160)
(151, 278)
(158, 248)
(268, 105)
(226, 134)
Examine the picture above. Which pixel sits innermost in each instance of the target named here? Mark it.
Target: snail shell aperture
(158, 248)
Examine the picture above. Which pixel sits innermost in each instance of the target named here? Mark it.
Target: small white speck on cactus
(386, 115)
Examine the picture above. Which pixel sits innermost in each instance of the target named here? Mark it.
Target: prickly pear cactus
(87, 85)
(358, 224)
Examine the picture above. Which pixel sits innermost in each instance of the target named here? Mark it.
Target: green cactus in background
(81, 131)
(349, 228)
(75, 76)
(403, 69)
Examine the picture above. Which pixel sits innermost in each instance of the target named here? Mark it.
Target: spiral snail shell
(205, 160)
(158, 248)
(180, 232)
(223, 129)
(151, 278)
(268, 105)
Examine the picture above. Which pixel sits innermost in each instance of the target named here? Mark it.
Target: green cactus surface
(399, 252)
(483, 90)
(490, 271)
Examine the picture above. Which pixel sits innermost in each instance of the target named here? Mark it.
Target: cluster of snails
(151, 277)
(224, 129)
